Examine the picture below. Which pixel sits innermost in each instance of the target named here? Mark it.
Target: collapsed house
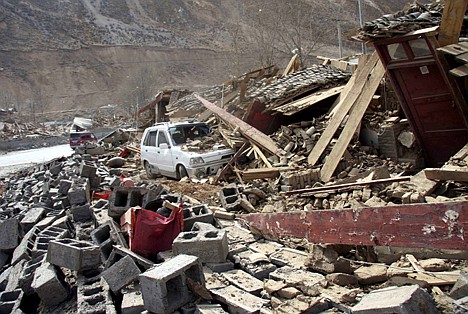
(334, 201)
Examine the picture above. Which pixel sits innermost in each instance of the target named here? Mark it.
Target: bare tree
(288, 27)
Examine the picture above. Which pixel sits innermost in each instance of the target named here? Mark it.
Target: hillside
(58, 55)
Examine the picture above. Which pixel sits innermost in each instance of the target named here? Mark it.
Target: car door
(164, 154)
(150, 150)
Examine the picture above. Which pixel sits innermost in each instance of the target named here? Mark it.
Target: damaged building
(346, 193)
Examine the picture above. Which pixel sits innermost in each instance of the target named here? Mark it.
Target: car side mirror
(163, 146)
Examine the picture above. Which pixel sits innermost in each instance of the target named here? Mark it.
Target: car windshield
(183, 134)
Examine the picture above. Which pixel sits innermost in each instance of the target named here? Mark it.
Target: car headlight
(196, 161)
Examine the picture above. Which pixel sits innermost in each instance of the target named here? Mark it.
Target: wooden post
(452, 20)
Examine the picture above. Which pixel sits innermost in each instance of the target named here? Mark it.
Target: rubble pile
(66, 248)
(417, 16)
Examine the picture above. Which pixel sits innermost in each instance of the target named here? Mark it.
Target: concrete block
(3, 259)
(106, 236)
(82, 213)
(124, 198)
(306, 281)
(132, 302)
(239, 234)
(243, 280)
(93, 295)
(209, 309)
(10, 301)
(230, 198)
(220, 267)
(202, 226)
(15, 275)
(260, 270)
(23, 250)
(9, 229)
(288, 256)
(118, 252)
(164, 287)
(460, 289)
(32, 217)
(239, 301)
(50, 218)
(49, 284)
(121, 273)
(79, 192)
(460, 306)
(87, 169)
(406, 299)
(73, 254)
(325, 259)
(199, 213)
(64, 186)
(210, 247)
(27, 276)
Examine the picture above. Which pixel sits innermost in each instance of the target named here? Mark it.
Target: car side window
(162, 138)
(150, 139)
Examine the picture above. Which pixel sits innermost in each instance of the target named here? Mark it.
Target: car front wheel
(149, 174)
(181, 172)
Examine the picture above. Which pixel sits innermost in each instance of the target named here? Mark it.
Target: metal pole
(361, 23)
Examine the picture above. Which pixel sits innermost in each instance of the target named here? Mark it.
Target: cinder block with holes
(73, 254)
(23, 250)
(93, 295)
(27, 275)
(87, 169)
(50, 285)
(41, 244)
(164, 287)
(32, 217)
(123, 198)
(209, 246)
(10, 301)
(106, 236)
(230, 198)
(198, 213)
(82, 213)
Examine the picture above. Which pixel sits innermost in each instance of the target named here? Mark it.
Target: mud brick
(164, 287)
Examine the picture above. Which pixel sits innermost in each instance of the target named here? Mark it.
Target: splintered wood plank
(447, 174)
(436, 225)
(460, 71)
(305, 102)
(291, 66)
(437, 278)
(452, 21)
(342, 109)
(254, 135)
(353, 122)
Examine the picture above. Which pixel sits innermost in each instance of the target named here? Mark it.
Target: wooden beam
(254, 135)
(452, 21)
(326, 188)
(231, 162)
(342, 109)
(310, 100)
(291, 66)
(437, 278)
(353, 122)
(447, 174)
(436, 225)
(262, 156)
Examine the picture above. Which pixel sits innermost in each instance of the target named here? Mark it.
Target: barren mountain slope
(66, 54)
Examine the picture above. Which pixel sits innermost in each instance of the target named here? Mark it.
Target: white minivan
(164, 151)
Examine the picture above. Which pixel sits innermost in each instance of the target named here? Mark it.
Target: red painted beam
(437, 225)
